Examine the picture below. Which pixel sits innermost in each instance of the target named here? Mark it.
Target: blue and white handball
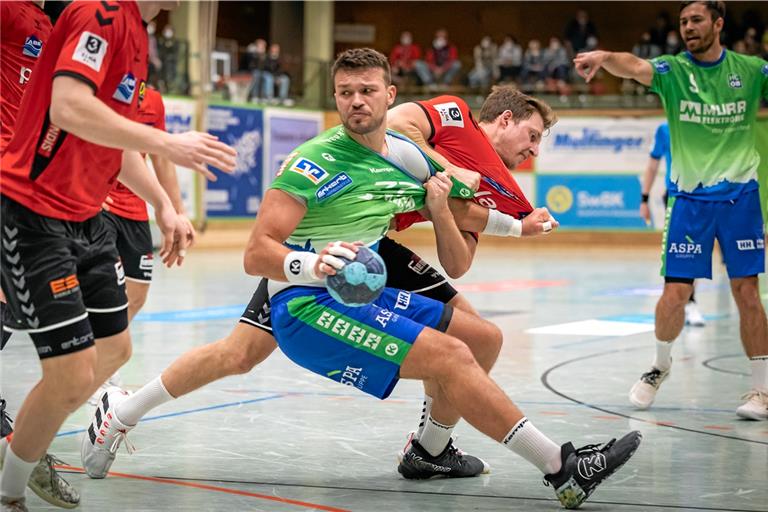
(361, 281)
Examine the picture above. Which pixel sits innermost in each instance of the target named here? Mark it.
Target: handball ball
(361, 281)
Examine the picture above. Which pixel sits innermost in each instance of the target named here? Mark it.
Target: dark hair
(522, 106)
(362, 58)
(716, 9)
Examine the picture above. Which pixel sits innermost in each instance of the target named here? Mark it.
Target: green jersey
(350, 191)
(711, 108)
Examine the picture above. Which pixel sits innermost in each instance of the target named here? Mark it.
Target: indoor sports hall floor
(578, 333)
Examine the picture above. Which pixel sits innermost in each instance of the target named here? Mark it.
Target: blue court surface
(578, 326)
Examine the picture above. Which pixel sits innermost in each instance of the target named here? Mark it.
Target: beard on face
(367, 125)
(701, 45)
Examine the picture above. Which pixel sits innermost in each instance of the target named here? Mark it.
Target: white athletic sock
(15, 475)
(425, 411)
(759, 372)
(3, 447)
(435, 436)
(133, 408)
(663, 359)
(528, 442)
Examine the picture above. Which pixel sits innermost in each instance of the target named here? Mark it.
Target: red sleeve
(160, 109)
(454, 53)
(445, 113)
(91, 42)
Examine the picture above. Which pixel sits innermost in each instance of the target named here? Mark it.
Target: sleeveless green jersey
(350, 191)
(711, 108)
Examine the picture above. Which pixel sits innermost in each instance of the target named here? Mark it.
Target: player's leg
(740, 235)
(689, 235)
(40, 275)
(249, 343)
(408, 271)
(371, 347)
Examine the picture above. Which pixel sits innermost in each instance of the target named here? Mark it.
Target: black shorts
(134, 244)
(405, 271)
(63, 280)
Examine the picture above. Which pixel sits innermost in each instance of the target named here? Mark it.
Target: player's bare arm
(166, 175)
(265, 255)
(621, 64)
(176, 238)
(410, 120)
(76, 110)
(651, 170)
(455, 249)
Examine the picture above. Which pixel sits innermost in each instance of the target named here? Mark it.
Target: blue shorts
(362, 347)
(693, 225)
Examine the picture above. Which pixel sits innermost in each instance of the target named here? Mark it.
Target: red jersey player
(61, 275)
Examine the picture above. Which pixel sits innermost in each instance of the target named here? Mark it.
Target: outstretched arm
(623, 65)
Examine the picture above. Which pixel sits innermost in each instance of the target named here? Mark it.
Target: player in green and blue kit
(662, 148)
(335, 187)
(711, 97)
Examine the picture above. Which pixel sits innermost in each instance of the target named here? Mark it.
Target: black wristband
(645, 198)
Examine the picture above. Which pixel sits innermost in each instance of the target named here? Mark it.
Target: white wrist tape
(501, 224)
(299, 267)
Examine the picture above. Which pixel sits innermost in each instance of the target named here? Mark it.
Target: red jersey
(457, 136)
(127, 204)
(25, 30)
(52, 172)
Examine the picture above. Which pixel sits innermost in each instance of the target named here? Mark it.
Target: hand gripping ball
(360, 281)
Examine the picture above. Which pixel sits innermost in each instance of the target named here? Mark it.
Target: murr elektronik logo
(126, 89)
(32, 47)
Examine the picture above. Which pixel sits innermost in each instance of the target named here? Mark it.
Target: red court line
(205, 487)
(607, 417)
(717, 427)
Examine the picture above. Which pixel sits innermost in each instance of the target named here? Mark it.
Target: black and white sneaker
(418, 464)
(585, 468)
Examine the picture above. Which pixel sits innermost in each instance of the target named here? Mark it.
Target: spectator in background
(660, 30)
(168, 52)
(764, 46)
(155, 64)
(556, 61)
(254, 61)
(672, 44)
(750, 41)
(646, 48)
(274, 74)
(403, 57)
(578, 31)
(485, 71)
(533, 63)
(740, 47)
(510, 59)
(442, 61)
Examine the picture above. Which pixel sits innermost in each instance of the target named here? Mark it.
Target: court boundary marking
(184, 481)
(550, 387)
(708, 364)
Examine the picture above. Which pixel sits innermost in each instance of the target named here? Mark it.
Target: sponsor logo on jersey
(32, 47)
(65, 286)
(142, 91)
(24, 75)
(351, 376)
(77, 341)
(750, 245)
(90, 50)
(590, 139)
(450, 114)
(403, 300)
(49, 141)
(309, 170)
(328, 157)
(734, 80)
(120, 273)
(764, 69)
(692, 85)
(354, 333)
(684, 248)
(705, 113)
(662, 67)
(339, 182)
(145, 263)
(284, 163)
(126, 89)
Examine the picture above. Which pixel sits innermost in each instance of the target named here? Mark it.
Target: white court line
(594, 327)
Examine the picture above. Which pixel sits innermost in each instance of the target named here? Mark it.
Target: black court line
(545, 382)
(708, 364)
(643, 506)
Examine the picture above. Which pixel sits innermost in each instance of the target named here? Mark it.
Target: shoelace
(120, 437)
(756, 393)
(595, 448)
(652, 377)
(51, 461)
